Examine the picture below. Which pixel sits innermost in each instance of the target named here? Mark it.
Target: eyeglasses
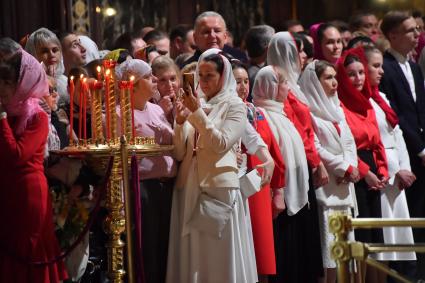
(414, 29)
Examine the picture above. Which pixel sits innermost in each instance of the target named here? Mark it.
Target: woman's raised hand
(181, 112)
(190, 101)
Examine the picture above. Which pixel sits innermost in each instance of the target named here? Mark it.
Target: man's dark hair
(393, 20)
(290, 23)
(417, 14)
(154, 35)
(180, 31)
(356, 20)
(341, 25)
(62, 34)
(257, 39)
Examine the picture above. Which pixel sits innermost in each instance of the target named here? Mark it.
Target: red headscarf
(354, 100)
(358, 101)
(318, 53)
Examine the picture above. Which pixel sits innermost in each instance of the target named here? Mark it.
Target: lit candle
(133, 128)
(71, 110)
(98, 70)
(85, 109)
(96, 111)
(108, 114)
(122, 85)
(80, 113)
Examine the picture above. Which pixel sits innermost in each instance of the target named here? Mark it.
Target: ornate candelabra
(105, 142)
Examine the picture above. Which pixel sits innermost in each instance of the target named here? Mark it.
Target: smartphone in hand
(189, 80)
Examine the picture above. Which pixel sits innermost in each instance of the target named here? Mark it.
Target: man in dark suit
(403, 83)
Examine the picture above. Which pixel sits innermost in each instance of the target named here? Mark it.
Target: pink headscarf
(318, 53)
(32, 85)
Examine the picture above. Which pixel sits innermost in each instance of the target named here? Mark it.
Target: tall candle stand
(104, 142)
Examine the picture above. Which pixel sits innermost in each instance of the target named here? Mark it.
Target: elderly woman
(207, 246)
(46, 48)
(156, 173)
(26, 208)
(294, 229)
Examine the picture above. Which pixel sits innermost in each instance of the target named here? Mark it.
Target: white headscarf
(92, 51)
(133, 67)
(228, 90)
(283, 52)
(321, 105)
(264, 92)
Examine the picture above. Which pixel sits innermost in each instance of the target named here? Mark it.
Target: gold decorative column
(96, 113)
(115, 223)
(109, 66)
(125, 109)
(340, 249)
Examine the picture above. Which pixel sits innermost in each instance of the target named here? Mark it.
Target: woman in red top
(354, 92)
(25, 207)
(262, 205)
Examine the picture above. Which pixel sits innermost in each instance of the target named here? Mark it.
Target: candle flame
(81, 76)
(132, 78)
(84, 80)
(98, 68)
(72, 78)
(108, 72)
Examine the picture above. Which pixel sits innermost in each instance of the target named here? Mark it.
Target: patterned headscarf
(32, 85)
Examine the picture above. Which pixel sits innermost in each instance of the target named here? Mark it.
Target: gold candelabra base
(118, 191)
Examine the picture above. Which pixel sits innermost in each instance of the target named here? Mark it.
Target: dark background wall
(20, 17)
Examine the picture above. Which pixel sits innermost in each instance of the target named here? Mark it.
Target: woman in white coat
(210, 237)
(337, 149)
(393, 197)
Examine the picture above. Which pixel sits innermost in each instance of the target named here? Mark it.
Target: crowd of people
(330, 119)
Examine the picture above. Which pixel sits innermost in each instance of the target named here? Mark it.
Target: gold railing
(344, 251)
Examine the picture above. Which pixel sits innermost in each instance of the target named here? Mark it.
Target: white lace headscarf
(320, 104)
(264, 93)
(133, 67)
(228, 89)
(283, 52)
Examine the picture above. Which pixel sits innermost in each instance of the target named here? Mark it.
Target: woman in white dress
(210, 237)
(337, 150)
(393, 197)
